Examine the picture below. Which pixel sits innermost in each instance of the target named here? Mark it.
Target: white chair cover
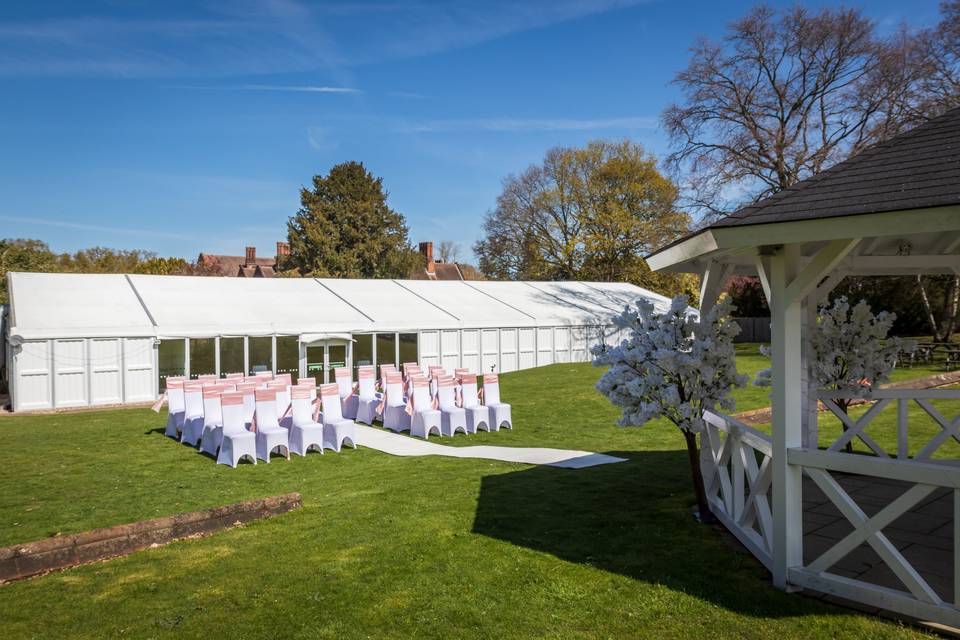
(452, 417)
(270, 435)
(425, 418)
(348, 400)
(367, 396)
(249, 402)
(305, 432)
(175, 407)
(193, 413)
(212, 435)
(499, 412)
(238, 443)
(478, 416)
(283, 402)
(336, 428)
(395, 416)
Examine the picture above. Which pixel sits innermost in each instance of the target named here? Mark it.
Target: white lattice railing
(917, 598)
(735, 461)
(857, 427)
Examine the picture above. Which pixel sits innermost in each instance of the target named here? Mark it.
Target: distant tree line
(19, 254)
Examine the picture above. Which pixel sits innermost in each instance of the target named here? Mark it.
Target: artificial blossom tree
(852, 352)
(673, 365)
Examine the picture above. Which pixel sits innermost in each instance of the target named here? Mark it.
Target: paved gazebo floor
(924, 535)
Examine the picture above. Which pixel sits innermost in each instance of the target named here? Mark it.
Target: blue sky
(181, 127)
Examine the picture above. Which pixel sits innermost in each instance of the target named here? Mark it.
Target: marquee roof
(53, 305)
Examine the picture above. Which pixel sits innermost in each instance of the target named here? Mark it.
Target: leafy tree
(673, 365)
(746, 294)
(346, 229)
(787, 94)
(585, 213)
(23, 255)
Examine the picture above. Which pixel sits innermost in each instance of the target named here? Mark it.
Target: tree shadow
(635, 519)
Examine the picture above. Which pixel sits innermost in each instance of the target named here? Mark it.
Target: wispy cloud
(527, 124)
(319, 139)
(269, 87)
(268, 36)
(65, 224)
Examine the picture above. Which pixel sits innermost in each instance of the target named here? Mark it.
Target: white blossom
(851, 350)
(673, 365)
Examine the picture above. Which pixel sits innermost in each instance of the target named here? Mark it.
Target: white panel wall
(508, 350)
(544, 346)
(70, 373)
(429, 348)
(470, 349)
(139, 381)
(106, 374)
(526, 348)
(579, 339)
(561, 344)
(490, 339)
(31, 377)
(450, 350)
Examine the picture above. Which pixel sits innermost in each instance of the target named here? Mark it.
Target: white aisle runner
(400, 445)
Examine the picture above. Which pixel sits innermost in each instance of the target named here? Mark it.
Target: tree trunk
(953, 305)
(703, 510)
(934, 326)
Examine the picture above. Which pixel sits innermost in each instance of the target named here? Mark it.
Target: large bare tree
(786, 94)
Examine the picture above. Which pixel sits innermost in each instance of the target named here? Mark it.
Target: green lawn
(397, 547)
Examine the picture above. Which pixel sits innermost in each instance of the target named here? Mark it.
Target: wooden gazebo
(894, 209)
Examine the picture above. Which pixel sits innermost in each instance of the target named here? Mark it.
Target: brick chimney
(250, 258)
(426, 250)
(283, 249)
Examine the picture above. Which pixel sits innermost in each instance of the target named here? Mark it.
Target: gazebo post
(785, 328)
(808, 389)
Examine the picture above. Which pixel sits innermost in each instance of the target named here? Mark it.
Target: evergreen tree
(345, 229)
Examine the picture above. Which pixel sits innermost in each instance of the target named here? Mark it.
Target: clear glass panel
(337, 357)
(261, 354)
(231, 355)
(288, 356)
(386, 349)
(408, 347)
(170, 360)
(202, 357)
(362, 351)
(315, 363)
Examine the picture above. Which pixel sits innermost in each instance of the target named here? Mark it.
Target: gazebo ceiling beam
(818, 268)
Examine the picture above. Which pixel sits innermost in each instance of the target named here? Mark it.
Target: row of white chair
(423, 404)
(253, 418)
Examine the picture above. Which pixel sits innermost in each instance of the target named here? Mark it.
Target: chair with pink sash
(305, 432)
(249, 402)
(366, 395)
(175, 407)
(238, 443)
(395, 416)
(348, 401)
(193, 412)
(235, 377)
(499, 412)
(212, 434)
(425, 419)
(270, 435)
(284, 377)
(452, 417)
(263, 375)
(459, 372)
(283, 401)
(336, 428)
(436, 372)
(208, 377)
(478, 416)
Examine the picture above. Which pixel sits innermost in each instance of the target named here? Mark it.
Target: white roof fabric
(68, 305)
(51, 305)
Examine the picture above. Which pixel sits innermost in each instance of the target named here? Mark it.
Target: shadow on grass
(634, 519)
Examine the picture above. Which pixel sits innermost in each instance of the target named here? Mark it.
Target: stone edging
(60, 552)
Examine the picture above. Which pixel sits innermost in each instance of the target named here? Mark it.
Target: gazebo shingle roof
(916, 169)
